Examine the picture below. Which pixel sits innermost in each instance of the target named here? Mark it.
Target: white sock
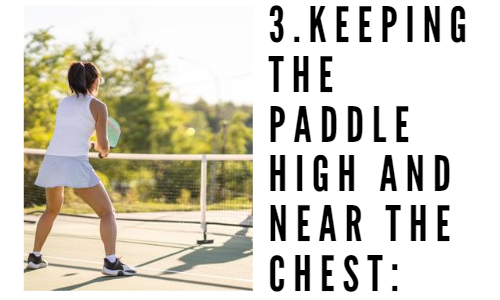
(37, 254)
(111, 258)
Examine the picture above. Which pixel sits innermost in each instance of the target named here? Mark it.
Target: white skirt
(75, 172)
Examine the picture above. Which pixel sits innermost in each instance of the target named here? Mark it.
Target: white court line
(148, 269)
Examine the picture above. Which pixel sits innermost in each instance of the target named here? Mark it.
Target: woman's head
(83, 78)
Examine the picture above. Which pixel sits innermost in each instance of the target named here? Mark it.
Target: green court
(166, 255)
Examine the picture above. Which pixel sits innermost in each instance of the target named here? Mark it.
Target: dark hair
(81, 76)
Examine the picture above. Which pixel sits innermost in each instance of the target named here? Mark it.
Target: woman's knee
(107, 213)
(52, 210)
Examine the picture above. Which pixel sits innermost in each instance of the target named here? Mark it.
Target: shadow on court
(101, 279)
(79, 285)
(234, 249)
(166, 260)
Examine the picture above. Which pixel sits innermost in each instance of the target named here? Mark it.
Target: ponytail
(81, 76)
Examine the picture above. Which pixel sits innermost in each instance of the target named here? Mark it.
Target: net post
(203, 201)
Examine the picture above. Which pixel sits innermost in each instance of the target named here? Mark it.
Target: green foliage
(151, 122)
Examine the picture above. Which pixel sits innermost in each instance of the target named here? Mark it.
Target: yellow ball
(190, 131)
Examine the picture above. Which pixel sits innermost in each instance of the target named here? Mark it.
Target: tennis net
(210, 193)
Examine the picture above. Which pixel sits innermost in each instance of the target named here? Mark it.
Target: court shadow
(237, 247)
(79, 285)
(153, 277)
(82, 284)
(165, 256)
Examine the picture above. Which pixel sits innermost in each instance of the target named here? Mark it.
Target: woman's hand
(94, 147)
(103, 154)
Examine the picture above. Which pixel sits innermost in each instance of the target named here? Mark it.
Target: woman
(66, 164)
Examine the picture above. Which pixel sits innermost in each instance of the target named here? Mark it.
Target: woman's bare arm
(100, 114)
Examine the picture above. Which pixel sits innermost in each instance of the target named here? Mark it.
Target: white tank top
(74, 127)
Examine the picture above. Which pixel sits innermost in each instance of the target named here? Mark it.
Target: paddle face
(114, 132)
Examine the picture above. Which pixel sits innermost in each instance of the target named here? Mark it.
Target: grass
(78, 207)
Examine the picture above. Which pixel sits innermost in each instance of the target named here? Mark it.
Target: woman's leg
(97, 198)
(55, 198)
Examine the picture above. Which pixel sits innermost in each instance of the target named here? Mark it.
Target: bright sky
(208, 49)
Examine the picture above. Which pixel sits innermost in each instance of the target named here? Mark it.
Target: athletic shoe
(117, 268)
(36, 262)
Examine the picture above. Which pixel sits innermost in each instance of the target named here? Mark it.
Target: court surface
(165, 255)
